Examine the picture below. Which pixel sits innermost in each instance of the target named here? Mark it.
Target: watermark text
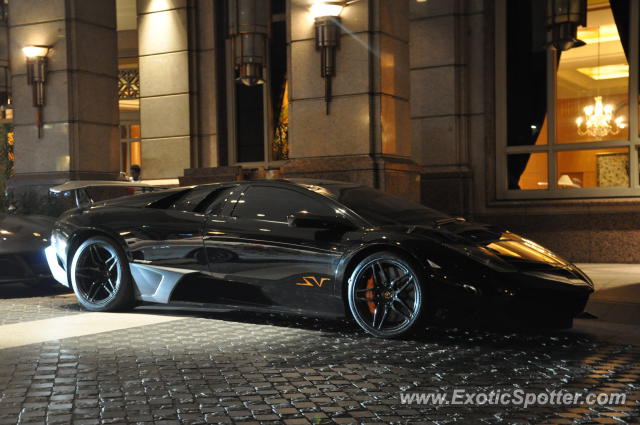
(516, 397)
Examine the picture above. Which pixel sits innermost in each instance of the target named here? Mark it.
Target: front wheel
(100, 276)
(386, 295)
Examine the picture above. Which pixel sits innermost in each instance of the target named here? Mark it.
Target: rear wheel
(386, 295)
(100, 276)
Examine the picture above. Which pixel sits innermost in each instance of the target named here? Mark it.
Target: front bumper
(523, 295)
(543, 303)
(57, 271)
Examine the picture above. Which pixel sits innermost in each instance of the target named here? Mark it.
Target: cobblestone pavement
(35, 304)
(250, 368)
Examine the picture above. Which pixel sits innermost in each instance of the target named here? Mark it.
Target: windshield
(379, 208)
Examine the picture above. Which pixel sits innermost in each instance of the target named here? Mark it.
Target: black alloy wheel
(386, 295)
(100, 276)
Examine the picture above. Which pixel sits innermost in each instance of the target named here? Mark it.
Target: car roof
(304, 182)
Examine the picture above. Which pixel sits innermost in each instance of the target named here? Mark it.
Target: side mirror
(315, 221)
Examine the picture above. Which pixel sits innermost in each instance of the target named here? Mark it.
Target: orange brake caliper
(369, 295)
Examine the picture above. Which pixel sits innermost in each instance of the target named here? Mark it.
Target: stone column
(80, 131)
(205, 99)
(447, 98)
(165, 118)
(366, 138)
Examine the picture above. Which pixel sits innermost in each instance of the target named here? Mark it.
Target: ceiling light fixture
(249, 30)
(562, 20)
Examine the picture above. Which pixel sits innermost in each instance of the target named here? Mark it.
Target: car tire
(386, 295)
(100, 276)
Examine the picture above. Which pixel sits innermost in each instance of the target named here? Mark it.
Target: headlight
(482, 256)
(549, 275)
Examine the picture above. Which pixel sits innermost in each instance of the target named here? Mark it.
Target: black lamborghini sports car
(311, 247)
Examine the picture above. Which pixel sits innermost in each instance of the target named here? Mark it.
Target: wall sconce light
(249, 29)
(6, 113)
(562, 20)
(37, 77)
(327, 25)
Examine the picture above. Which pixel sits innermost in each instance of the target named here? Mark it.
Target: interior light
(606, 72)
(600, 34)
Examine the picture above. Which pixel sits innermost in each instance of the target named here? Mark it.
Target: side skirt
(156, 283)
(225, 308)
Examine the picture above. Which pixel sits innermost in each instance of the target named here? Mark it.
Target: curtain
(620, 11)
(526, 80)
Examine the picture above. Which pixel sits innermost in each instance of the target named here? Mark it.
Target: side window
(275, 204)
(214, 204)
(205, 198)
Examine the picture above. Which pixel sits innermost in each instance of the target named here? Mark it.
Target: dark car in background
(311, 247)
(22, 243)
(23, 238)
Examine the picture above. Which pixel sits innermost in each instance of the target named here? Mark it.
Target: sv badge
(312, 281)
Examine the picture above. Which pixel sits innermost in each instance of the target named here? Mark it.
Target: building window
(129, 108)
(567, 121)
(128, 85)
(258, 115)
(130, 151)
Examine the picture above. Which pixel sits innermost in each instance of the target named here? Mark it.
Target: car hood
(500, 249)
(23, 233)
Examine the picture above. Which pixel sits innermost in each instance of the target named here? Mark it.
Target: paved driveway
(151, 367)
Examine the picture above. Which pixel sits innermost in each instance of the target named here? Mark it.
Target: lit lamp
(37, 77)
(562, 20)
(6, 113)
(249, 30)
(327, 23)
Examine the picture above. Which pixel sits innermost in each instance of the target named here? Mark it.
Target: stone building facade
(429, 101)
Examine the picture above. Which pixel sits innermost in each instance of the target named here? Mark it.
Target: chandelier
(598, 120)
